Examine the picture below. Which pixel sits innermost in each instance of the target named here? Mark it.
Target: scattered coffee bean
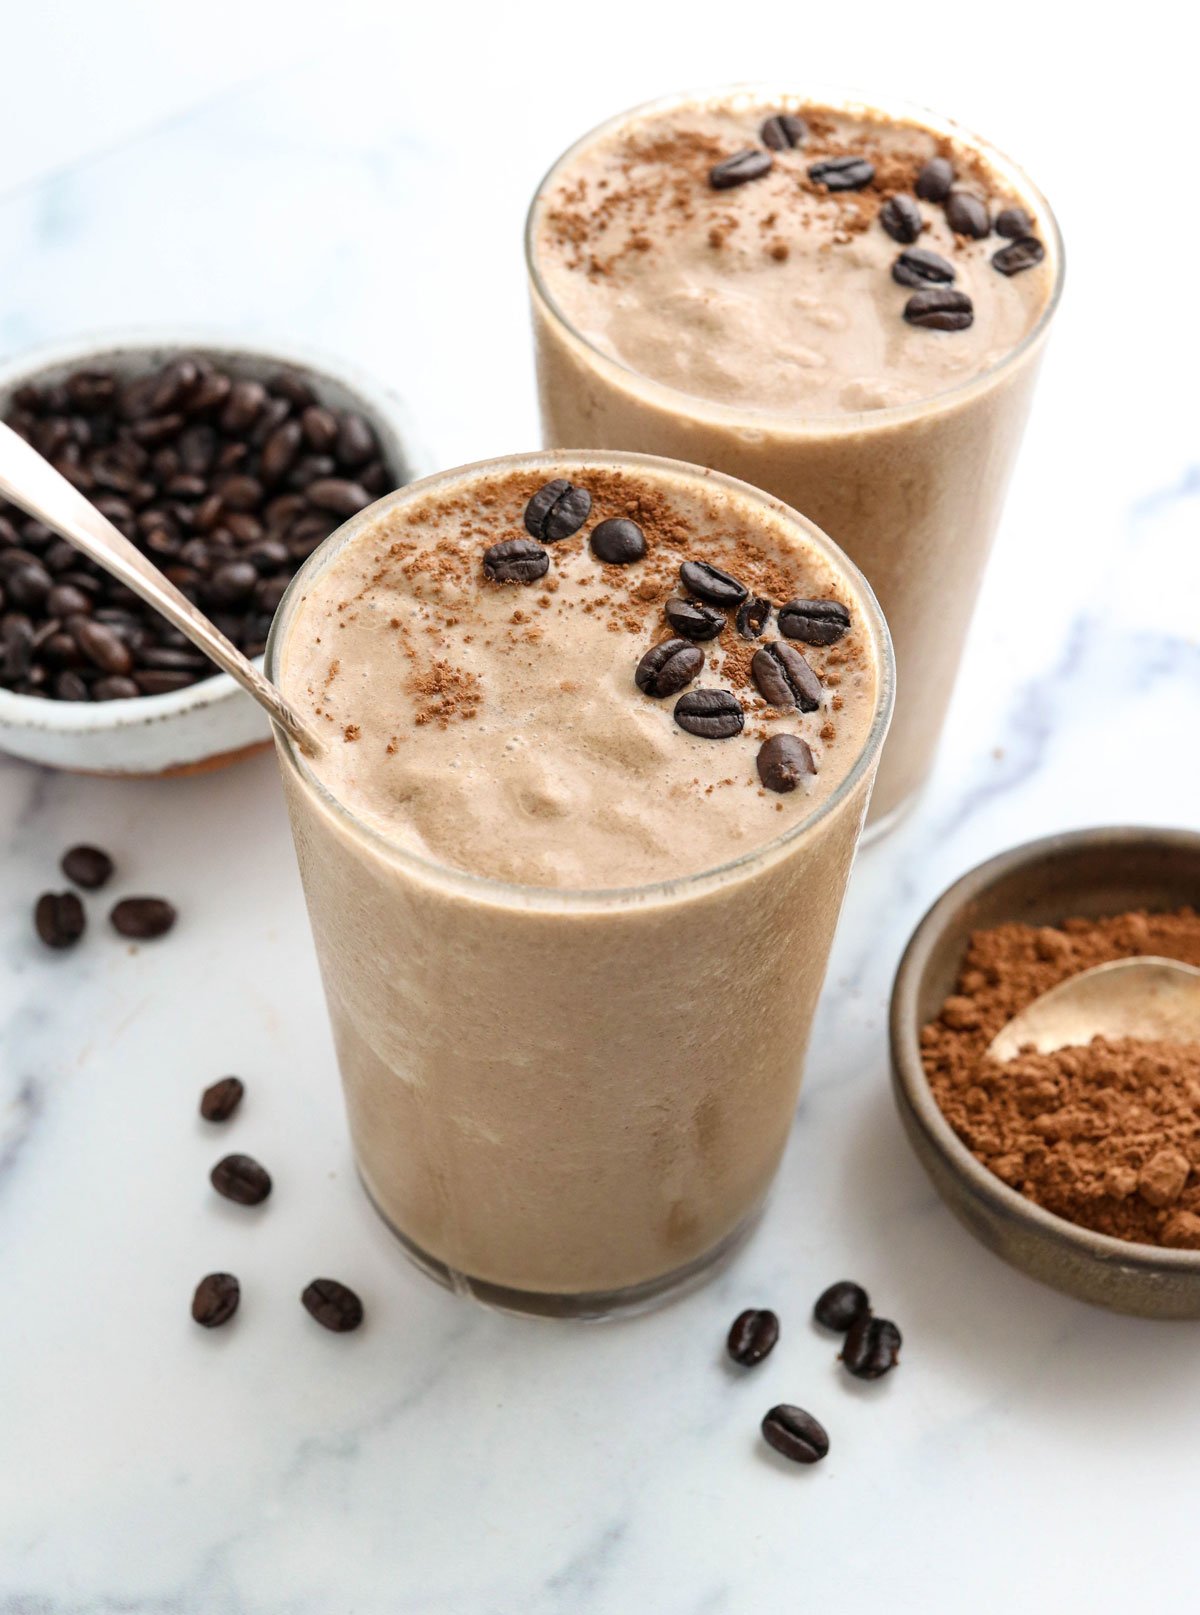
(752, 1336)
(87, 867)
(103, 646)
(557, 510)
(216, 1300)
(872, 1347)
(516, 560)
(693, 620)
(618, 541)
(332, 1305)
(967, 214)
(814, 622)
(901, 218)
(742, 166)
(666, 668)
(1012, 222)
(711, 584)
(940, 309)
(752, 616)
(219, 1101)
(1023, 253)
(841, 1305)
(241, 1178)
(795, 1434)
(842, 173)
(59, 919)
(711, 714)
(920, 267)
(143, 918)
(783, 677)
(935, 179)
(783, 131)
(784, 761)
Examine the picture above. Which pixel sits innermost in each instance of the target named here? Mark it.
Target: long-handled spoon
(28, 480)
(1145, 997)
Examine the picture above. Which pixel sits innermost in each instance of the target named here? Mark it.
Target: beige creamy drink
(817, 301)
(601, 732)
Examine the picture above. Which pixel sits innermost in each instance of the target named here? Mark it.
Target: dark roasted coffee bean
(65, 600)
(172, 659)
(216, 1300)
(280, 450)
(842, 173)
(872, 1347)
(920, 267)
(27, 586)
(376, 478)
(158, 429)
(143, 918)
(693, 620)
(70, 687)
(935, 179)
(241, 1178)
(901, 218)
(59, 919)
(783, 131)
(243, 529)
(90, 391)
(667, 667)
(967, 214)
(557, 510)
(355, 442)
(795, 1434)
(173, 382)
(320, 428)
(1012, 222)
(232, 582)
(197, 449)
(155, 681)
(784, 762)
(88, 867)
(333, 1305)
(783, 677)
(292, 386)
(742, 166)
(246, 399)
(940, 309)
(752, 1336)
(268, 592)
(102, 646)
(841, 1305)
(115, 687)
(219, 1101)
(618, 541)
(711, 714)
(815, 622)
(16, 640)
(60, 650)
(752, 616)
(240, 492)
(516, 560)
(1023, 253)
(337, 495)
(711, 584)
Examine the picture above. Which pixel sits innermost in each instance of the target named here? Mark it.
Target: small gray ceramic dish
(213, 722)
(1090, 873)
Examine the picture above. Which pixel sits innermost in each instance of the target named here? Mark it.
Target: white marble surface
(359, 183)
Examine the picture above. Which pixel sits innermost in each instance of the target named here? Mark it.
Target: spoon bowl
(1146, 997)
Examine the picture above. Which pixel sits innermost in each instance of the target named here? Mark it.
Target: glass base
(591, 1307)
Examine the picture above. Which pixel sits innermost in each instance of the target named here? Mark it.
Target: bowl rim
(915, 1097)
(381, 402)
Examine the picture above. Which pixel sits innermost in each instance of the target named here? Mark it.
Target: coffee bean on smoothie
(88, 867)
(752, 1336)
(783, 131)
(516, 560)
(557, 510)
(221, 1098)
(842, 173)
(814, 622)
(901, 218)
(618, 541)
(666, 668)
(752, 616)
(1012, 222)
(736, 170)
(242, 1179)
(935, 179)
(333, 1305)
(841, 1305)
(920, 267)
(59, 919)
(216, 1300)
(967, 214)
(783, 677)
(795, 1434)
(1023, 253)
(711, 584)
(693, 620)
(711, 714)
(940, 309)
(783, 762)
(872, 1347)
(143, 918)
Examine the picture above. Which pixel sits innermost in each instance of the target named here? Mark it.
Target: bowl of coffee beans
(227, 464)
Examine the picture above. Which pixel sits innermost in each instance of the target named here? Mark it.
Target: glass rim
(840, 100)
(528, 894)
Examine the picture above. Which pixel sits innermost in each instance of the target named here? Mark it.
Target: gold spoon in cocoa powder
(1147, 997)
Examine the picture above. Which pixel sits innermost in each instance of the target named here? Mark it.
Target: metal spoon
(1146, 997)
(28, 480)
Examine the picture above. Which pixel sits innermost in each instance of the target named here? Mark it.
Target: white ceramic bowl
(213, 722)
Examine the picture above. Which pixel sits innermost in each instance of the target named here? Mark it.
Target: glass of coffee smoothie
(600, 734)
(843, 303)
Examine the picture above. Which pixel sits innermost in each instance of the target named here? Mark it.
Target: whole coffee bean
(16, 640)
(872, 1347)
(70, 687)
(842, 173)
(232, 582)
(1012, 222)
(90, 391)
(967, 214)
(160, 681)
(292, 386)
(692, 620)
(783, 762)
(219, 1101)
(841, 1305)
(742, 166)
(901, 218)
(320, 428)
(355, 442)
(333, 1305)
(65, 600)
(28, 586)
(618, 541)
(245, 400)
(711, 584)
(795, 1434)
(280, 450)
(752, 616)
(557, 510)
(783, 131)
(935, 179)
(516, 560)
(241, 492)
(711, 714)
(59, 919)
(102, 646)
(241, 1178)
(143, 918)
(173, 660)
(920, 267)
(115, 687)
(783, 677)
(1023, 253)
(752, 1336)
(667, 667)
(209, 394)
(216, 1300)
(88, 867)
(814, 622)
(337, 495)
(940, 309)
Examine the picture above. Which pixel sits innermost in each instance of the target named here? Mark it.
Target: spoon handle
(28, 480)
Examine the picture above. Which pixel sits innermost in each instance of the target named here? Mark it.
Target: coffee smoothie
(600, 736)
(843, 307)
